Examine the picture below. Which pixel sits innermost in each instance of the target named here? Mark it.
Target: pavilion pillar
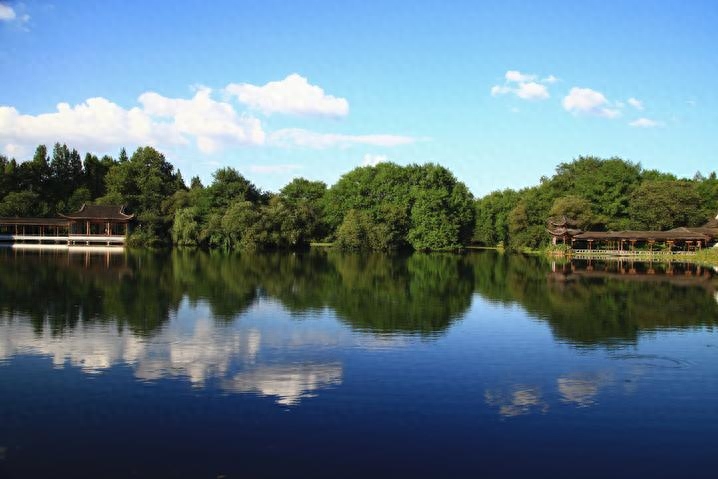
(87, 228)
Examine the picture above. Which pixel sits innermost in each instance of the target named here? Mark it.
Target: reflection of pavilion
(91, 224)
(678, 274)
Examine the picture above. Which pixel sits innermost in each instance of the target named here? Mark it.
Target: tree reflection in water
(600, 303)
(419, 294)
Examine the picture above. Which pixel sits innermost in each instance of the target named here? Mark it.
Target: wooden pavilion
(630, 241)
(91, 224)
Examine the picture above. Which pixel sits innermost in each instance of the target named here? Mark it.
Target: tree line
(386, 207)
(601, 195)
(383, 207)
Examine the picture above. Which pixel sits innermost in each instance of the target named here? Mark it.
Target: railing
(616, 252)
(69, 239)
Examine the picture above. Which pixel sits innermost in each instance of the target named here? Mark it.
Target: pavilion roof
(562, 220)
(563, 231)
(681, 234)
(33, 221)
(100, 212)
(711, 223)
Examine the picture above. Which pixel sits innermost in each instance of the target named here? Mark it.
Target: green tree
(239, 225)
(301, 203)
(185, 227)
(574, 207)
(95, 170)
(423, 206)
(355, 231)
(492, 211)
(23, 203)
(606, 184)
(228, 186)
(143, 183)
(663, 205)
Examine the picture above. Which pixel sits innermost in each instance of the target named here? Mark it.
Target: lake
(321, 364)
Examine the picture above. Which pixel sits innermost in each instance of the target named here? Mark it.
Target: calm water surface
(323, 364)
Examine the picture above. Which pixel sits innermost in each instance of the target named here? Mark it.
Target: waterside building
(91, 224)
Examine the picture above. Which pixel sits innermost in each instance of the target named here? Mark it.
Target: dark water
(320, 364)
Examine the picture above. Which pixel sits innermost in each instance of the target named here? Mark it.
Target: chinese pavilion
(91, 224)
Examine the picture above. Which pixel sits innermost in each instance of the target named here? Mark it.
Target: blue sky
(500, 92)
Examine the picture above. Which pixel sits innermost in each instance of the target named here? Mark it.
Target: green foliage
(22, 203)
(527, 221)
(424, 207)
(492, 213)
(143, 183)
(574, 207)
(384, 207)
(355, 232)
(185, 227)
(663, 205)
(229, 186)
(606, 184)
(610, 194)
(239, 225)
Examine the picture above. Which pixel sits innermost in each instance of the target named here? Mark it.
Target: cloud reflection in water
(199, 350)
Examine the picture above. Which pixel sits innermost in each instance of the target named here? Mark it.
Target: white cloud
(273, 169)
(13, 150)
(549, 79)
(213, 124)
(373, 160)
(299, 137)
(96, 124)
(645, 123)
(523, 85)
(100, 125)
(584, 101)
(518, 77)
(7, 13)
(293, 96)
(497, 90)
(532, 91)
(637, 104)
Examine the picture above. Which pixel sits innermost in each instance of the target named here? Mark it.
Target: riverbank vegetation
(383, 207)
(601, 194)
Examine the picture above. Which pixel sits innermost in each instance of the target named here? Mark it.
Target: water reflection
(577, 389)
(419, 294)
(518, 400)
(247, 323)
(589, 303)
(287, 383)
(200, 351)
(581, 389)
